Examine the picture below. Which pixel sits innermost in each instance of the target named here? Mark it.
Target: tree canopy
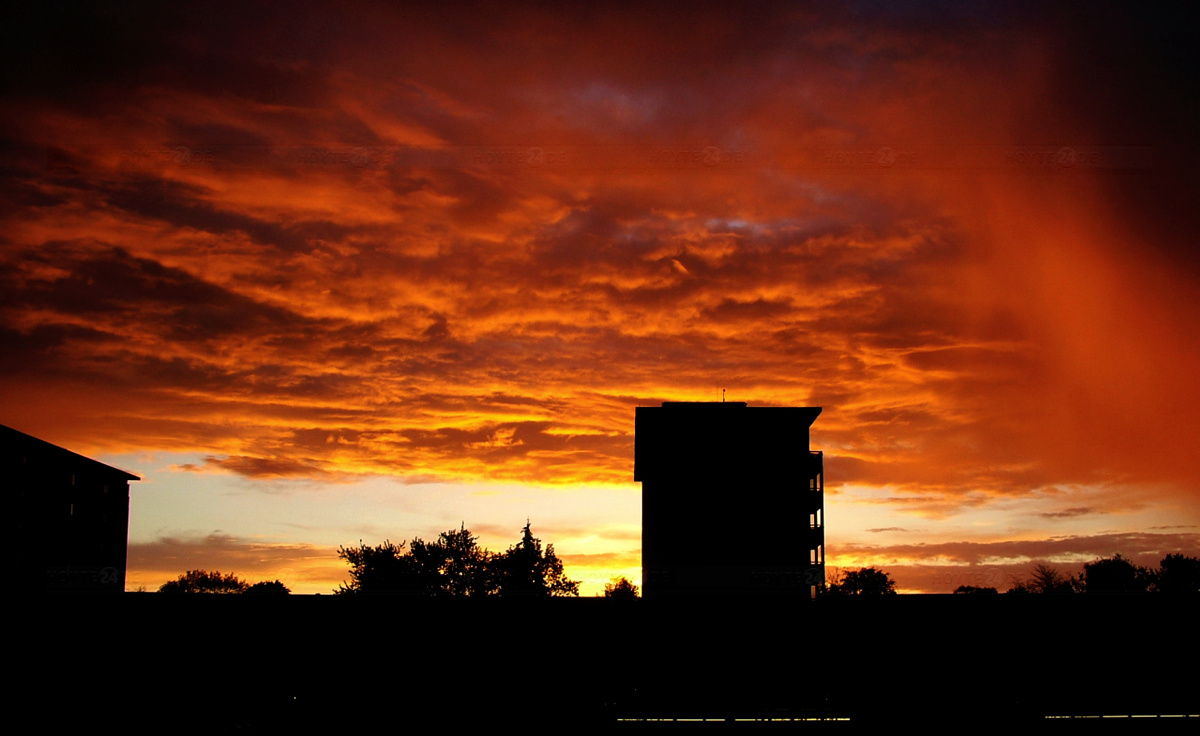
(867, 581)
(1047, 580)
(273, 587)
(1115, 575)
(526, 570)
(384, 568)
(1176, 575)
(202, 581)
(456, 566)
(975, 590)
(620, 587)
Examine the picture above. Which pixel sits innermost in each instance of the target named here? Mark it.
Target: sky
(321, 276)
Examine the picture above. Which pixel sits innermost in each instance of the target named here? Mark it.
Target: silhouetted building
(732, 499)
(72, 516)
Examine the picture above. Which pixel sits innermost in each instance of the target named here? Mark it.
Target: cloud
(1079, 547)
(303, 568)
(465, 245)
(1069, 513)
(942, 567)
(265, 467)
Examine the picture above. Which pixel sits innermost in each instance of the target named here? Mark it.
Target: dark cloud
(926, 567)
(1070, 513)
(1135, 545)
(760, 309)
(114, 285)
(266, 467)
(185, 207)
(302, 567)
(38, 350)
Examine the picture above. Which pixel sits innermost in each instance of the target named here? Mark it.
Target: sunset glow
(326, 276)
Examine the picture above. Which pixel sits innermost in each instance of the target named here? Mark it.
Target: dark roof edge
(21, 436)
(809, 413)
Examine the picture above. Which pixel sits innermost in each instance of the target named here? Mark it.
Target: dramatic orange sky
(320, 276)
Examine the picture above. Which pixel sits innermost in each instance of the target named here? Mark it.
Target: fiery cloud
(462, 246)
(302, 568)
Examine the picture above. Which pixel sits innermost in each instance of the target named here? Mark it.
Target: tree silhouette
(268, 588)
(975, 590)
(1177, 575)
(202, 581)
(385, 568)
(620, 587)
(867, 581)
(456, 566)
(1115, 574)
(1046, 580)
(528, 571)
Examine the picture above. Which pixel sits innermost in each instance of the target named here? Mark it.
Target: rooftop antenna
(722, 396)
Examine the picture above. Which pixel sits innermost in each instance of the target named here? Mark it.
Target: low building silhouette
(732, 499)
(72, 516)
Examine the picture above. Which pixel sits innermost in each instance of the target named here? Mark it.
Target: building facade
(72, 520)
(732, 499)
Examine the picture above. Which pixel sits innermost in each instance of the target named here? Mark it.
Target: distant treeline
(202, 581)
(1176, 575)
(455, 565)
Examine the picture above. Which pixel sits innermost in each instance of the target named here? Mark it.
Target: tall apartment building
(732, 499)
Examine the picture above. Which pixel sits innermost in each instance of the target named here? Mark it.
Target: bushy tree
(867, 581)
(1046, 580)
(385, 568)
(202, 581)
(456, 566)
(975, 590)
(1177, 575)
(526, 570)
(1115, 574)
(273, 587)
(620, 587)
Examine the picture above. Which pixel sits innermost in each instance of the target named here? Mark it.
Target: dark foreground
(204, 664)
